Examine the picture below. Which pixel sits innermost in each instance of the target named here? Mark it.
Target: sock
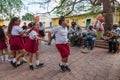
(62, 63)
(24, 59)
(2, 58)
(14, 60)
(30, 64)
(18, 62)
(37, 62)
(6, 57)
(66, 64)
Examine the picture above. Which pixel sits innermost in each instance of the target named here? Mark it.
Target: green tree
(9, 8)
(68, 7)
(28, 16)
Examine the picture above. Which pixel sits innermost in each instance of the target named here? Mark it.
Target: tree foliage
(68, 7)
(28, 16)
(8, 8)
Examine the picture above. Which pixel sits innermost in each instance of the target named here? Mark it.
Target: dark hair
(11, 24)
(103, 12)
(90, 27)
(115, 26)
(78, 28)
(31, 24)
(2, 34)
(62, 18)
(24, 27)
(40, 23)
(3, 25)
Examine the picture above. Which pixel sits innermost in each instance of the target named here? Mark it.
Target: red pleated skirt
(63, 49)
(25, 39)
(3, 45)
(16, 42)
(31, 46)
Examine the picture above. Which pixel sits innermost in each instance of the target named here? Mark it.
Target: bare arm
(49, 36)
(38, 38)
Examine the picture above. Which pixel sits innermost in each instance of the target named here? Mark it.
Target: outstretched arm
(49, 37)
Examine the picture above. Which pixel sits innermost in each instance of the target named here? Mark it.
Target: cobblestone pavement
(96, 65)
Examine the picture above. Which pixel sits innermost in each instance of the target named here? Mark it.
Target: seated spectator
(113, 39)
(90, 36)
(78, 37)
(71, 34)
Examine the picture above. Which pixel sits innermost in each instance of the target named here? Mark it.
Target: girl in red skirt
(16, 41)
(32, 46)
(3, 45)
(62, 43)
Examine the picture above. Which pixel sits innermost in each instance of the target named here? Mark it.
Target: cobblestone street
(96, 65)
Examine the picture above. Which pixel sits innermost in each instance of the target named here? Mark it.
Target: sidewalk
(96, 65)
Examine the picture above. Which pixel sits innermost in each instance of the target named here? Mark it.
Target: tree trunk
(109, 15)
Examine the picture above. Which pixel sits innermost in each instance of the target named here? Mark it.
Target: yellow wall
(117, 18)
(82, 19)
(2, 22)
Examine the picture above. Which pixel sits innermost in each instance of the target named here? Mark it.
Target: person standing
(16, 41)
(62, 45)
(31, 46)
(99, 25)
(41, 30)
(3, 45)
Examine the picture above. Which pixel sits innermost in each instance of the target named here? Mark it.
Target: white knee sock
(18, 62)
(66, 64)
(37, 62)
(14, 60)
(62, 63)
(30, 64)
(24, 59)
(6, 57)
(2, 58)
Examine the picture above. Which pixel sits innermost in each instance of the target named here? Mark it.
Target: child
(61, 33)
(16, 41)
(3, 46)
(32, 47)
(41, 30)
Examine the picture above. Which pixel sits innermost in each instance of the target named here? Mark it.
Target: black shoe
(13, 64)
(114, 52)
(19, 64)
(49, 43)
(62, 68)
(91, 48)
(67, 68)
(31, 67)
(109, 51)
(40, 65)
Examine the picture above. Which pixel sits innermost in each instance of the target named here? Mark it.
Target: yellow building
(2, 22)
(84, 19)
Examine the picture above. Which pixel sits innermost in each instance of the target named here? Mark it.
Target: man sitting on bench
(114, 39)
(89, 36)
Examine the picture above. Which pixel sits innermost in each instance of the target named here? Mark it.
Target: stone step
(102, 46)
(101, 43)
